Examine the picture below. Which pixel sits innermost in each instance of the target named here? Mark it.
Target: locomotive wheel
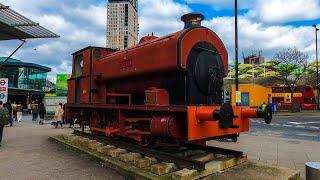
(234, 137)
(268, 114)
(81, 119)
(147, 141)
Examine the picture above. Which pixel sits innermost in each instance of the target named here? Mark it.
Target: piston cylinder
(165, 127)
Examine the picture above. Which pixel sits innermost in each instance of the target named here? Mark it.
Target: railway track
(187, 155)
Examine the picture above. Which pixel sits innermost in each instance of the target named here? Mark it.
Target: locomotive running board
(171, 157)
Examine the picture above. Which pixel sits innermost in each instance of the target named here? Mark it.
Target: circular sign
(2, 82)
(2, 96)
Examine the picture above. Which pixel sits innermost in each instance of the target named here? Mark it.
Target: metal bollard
(312, 170)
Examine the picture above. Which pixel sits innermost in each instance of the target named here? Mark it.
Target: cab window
(78, 65)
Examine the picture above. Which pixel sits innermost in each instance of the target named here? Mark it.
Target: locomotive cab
(80, 84)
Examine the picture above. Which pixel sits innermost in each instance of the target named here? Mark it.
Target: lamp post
(236, 43)
(316, 29)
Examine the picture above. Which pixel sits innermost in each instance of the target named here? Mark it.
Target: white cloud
(282, 11)
(223, 4)
(82, 23)
(56, 23)
(79, 23)
(258, 36)
(271, 11)
(161, 16)
(92, 15)
(61, 68)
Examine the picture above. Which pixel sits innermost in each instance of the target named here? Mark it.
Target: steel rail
(218, 150)
(180, 162)
(167, 157)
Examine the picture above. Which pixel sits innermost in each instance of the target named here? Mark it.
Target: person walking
(9, 108)
(35, 111)
(4, 118)
(19, 112)
(29, 108)
(63, 117)
(58, 115)
(42, 112)
(14, 111)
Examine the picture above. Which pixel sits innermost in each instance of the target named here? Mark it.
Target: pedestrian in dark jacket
(35, 111)
(9, 107)
(42, 113)
(63, 117)
(2, 112)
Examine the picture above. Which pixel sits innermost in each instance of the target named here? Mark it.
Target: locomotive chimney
(192, 20)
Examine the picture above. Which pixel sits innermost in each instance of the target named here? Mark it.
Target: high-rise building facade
(122, 24)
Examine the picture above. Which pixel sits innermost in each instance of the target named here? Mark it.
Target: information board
(62, 83)
(3, 89)
(238, 97)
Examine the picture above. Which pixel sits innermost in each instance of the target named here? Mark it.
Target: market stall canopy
(243, 76)
(15, 26)
(269, 64)
(256, 70)
(243, 67)
(314, 64)
(269, 74)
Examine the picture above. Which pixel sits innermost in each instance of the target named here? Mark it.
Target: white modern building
(122, 24)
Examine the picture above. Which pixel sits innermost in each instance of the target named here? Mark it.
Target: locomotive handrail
(131, 107)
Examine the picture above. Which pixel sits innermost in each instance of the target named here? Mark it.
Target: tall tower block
(122, 24)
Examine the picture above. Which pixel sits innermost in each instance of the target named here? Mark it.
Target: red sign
(126, 64)
(2, 82)
(3, 89)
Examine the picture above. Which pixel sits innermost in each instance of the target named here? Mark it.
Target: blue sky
(213, 11)
(263, 25)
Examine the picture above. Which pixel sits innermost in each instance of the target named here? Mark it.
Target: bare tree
(292, 65)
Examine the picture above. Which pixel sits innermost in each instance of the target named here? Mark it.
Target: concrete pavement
(303, 127)
(299, 114)
(274, 150)
(27, 154)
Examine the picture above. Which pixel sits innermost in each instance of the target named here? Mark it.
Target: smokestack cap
(192, 20)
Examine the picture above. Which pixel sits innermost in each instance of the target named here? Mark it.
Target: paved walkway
(276, 151)
(311, 113)
(27, 154)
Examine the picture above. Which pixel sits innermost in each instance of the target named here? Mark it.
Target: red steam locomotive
(167, 88)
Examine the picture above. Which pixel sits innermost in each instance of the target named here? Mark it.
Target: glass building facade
(23, 75)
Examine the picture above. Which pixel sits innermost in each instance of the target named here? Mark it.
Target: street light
(236, 43)
(316, 29)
